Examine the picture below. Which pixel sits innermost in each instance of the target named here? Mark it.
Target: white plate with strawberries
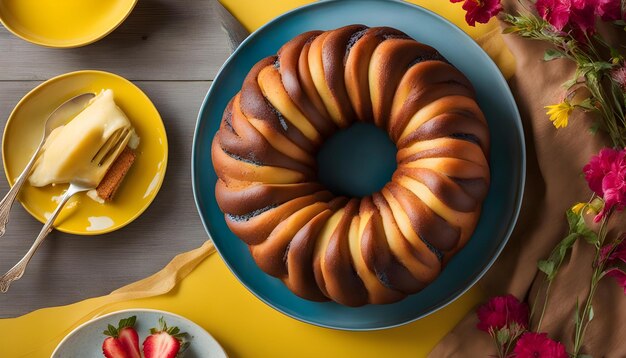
(139, 333)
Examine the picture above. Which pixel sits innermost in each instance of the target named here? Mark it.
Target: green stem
(532, 309)
(581, 332)
(545, 304)
(611, 115)
(581, 328)
(505, 353)
(545, 301)
(499, 346)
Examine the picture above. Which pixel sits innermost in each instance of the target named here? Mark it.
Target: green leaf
(590, 69)
(595, 127)
(563, 246)
(615, 54)
(569, 83)
(112, 330)
(183, 347)
(582, 229)
(547, 267)
(550, 266)
(552, 54)
(585, 356)
(510, 30)
(590, 313)
(590, 236)
(502, 336)
(577, 225)
(602, 65)
(620, 23)
(127, 322)
(572, 219)
(586, 104)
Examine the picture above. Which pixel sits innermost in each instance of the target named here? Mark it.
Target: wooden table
(172, 50)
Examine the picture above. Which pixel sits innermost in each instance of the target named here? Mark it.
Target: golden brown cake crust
(115, 175)
(355, 251)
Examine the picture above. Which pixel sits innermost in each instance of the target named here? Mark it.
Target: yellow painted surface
(211, 296)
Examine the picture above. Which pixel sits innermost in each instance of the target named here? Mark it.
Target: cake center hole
(357, 161)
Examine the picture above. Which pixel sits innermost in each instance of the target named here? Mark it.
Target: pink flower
(501, 311)
(619, 276)
(480, 10)
(579, 14)
(606, 175)
(619, 76)
(556, 12)
(538, 345)
(608, 10)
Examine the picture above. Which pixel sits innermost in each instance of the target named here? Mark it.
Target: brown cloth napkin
(553, 184)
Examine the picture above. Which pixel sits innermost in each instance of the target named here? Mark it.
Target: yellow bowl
(82, 215)
(63, 23)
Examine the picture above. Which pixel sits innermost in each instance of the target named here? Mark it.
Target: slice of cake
(70, 151)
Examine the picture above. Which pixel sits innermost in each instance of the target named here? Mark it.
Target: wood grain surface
(171, 50)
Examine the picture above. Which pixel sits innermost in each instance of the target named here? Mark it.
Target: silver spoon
(59, 117)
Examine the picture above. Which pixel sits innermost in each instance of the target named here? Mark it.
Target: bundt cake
(376, 249)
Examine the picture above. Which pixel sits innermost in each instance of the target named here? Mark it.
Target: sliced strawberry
(112, 348)
(164, 342)
(123, 341)
(130, 340)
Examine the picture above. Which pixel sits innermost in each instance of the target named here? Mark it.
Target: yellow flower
(578, 208)
(559, 113)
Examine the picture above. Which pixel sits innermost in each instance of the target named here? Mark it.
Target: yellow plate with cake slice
(83, 215)
(63, 23)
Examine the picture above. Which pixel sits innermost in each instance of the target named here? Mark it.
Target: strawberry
(164, 342)
(112, 348)
(123, 341)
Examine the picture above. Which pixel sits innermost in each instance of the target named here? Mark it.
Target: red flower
(538, 345)
(583, 18)
(619, 254)
(556, 12)
(480, 10)
(606, 175)
(500, 311)
(619, 276)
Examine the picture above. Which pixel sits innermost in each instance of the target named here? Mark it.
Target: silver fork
(104, 157)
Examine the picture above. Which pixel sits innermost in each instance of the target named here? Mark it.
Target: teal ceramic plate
(507, 160)
(86, 340)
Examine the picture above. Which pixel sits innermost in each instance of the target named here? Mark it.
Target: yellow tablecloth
(199, 286)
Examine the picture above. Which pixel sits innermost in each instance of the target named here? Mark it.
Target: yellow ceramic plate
(63, 23)
(82, 215)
